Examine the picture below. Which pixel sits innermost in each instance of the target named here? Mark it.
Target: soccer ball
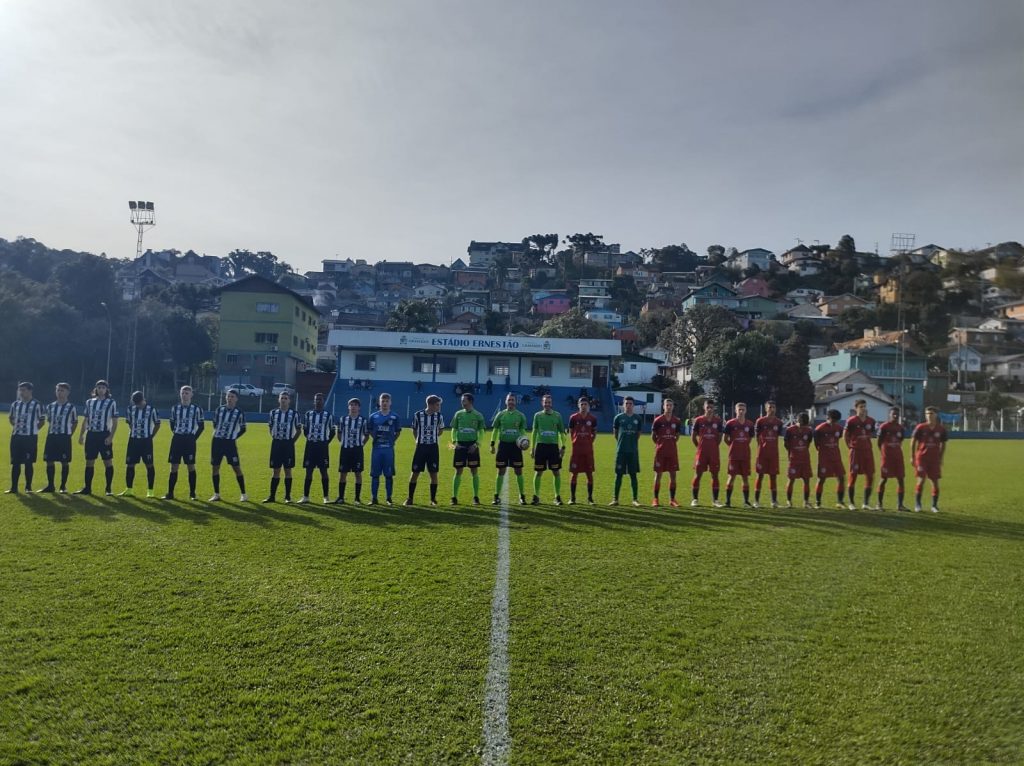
(523, 442)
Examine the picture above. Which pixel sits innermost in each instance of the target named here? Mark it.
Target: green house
(884, 363)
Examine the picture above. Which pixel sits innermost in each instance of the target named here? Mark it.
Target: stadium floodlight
(149, 206)
(131, 204)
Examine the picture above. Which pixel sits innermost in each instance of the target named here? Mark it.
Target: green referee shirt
(548, 427)
(508, 426)
(627, 432)
(467, 426)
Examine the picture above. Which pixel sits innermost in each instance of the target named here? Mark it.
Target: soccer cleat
(755, 504)
(373, 501)
(851, 506)
(748, 505)
(614, 502)
(244, 498)
(455, 500)
(150, 493)
(13, 491)
(817, 506)
(674, 503)
(168, 496)
(694, 503)
(572, 501)
(215, 498)
(522, 499)
(917, 508)
(301, 501)
(63, 490)
(270, 499)
(654, 503)
(496, 500)
(636, 503)
(591, 501)
(866, 507)
(287, 500)
(408, 502)
(388, 502)
(789, 504)
(935, 509)
(129, 492)
(842, 507)
(558, 500)
(433, 503)
(193, 498)
(339, 501)
(775, 504)
(903, 508)
(47, 488)
(535, 501)
(878, 507)
(718, 504)
(109, 493)
(476, 501)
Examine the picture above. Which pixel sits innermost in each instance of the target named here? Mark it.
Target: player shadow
(62, 508)
(381, 515)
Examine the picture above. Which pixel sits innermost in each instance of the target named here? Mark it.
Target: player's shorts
(57, 448)
(282, 453)
(95, 447)
(582, 461)
(24, 449)
(738, 466)
(467, 454)
(547, 456)
(767, 464)
(351, 460)
(666, 459)
(627, 462)
(862, 462)
(509, 455)
(316, 454)
(427, 458)
(707, 462)
(382, 461)
(799, 470)
(223, 449)
(139, 451)
(928, 469)
(893, 467)
(183, 449)
(830, 468)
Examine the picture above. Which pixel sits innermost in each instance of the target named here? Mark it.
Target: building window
(366, 362)
(540, 368)
(270, 360)
(443, 365)
(296, 311)
(499, 367)
(266, 337)
(230, 358)
(295, 340)
(267, 308)
(580, 370)
(650, 398)
(303, 316)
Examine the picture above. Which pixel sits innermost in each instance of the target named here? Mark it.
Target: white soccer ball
(523, 442)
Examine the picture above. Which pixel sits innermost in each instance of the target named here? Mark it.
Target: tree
(539, 248)
(573, 324)
(495, 323)
(695, 328)
(242, 263)
(739, 370)
(716, 253)
(651, 325)
(852, 322)
(846, 248)
(791, 380)
(413, 316)
(672, 258)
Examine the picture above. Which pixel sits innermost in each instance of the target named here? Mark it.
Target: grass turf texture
(137, 630)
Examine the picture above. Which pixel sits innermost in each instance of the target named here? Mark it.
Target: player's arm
(561, 434)
(156, 423)
(942, 446)
(113, 427)
(332, 429)
(10, 414)
(241, 424)
(74, 422)
(694, 437)
(201, 417)
(42, 417)
(848, 434)
(727, 435)
(495, 426)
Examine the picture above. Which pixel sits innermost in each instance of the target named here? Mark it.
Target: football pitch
(136, 630)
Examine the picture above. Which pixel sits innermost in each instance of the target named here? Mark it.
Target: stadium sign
(512, 344)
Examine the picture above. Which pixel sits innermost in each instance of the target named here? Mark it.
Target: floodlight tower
(143, 216)
(901, 244)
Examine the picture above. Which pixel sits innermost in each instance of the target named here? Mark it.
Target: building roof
(254, 283)
(879, 340)
(834, 378)
(640, 358)
(872, 392)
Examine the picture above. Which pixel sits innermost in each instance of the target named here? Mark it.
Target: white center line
(497, 742)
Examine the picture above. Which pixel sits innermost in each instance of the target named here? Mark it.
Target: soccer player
(467, 430)
(665, 434)
(768, 428)
(187, 426)
(860, 436)
(318, 426)
(27, 417)
(508, 427)
(228, 425)
(827, 437)
(798, 441)
(384, 427)
(928, 446)
(890, 445)
(352, 433)
(626, 428)
(427, 425)
(284, 428)
(143, 423)
(97, 435)
(548, 447)
(739, 433)
(582, 432)
(63, 420)
(706, 436)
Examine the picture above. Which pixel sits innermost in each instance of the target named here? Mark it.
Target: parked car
(282, 388)
(245, 389)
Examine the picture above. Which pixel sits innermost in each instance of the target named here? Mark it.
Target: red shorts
(739, 466)
(801, 470)
(830, 469)
(707, 462)
(928, 469)
(767, 464)
(893, 467)
(666, 459)
(581, 461)
(862, 462)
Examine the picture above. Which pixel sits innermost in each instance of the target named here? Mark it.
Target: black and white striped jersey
(284, 424)
(26, 417)
(318, 425)
(99, 413)
(63, 418)
(352, 431)
(228, 423)
(427, 427)
(185, 419)
(141, 421)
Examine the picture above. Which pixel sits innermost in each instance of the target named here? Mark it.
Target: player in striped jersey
(353, 431)
(284, 428)
(228, 425)
(143, 423)
(318, 426)
(427, 426)
(26, 417)
(186, 427)
(97, 434)
(63, 419)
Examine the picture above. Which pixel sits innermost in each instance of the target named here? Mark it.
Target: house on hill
(713, 294)
(834, 305)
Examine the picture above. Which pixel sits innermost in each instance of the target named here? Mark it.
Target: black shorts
(94, 446)
(183, 449)
(223, 449)
(351, 460)
(282, 453)
(24, 449)
(466, 454)
(509, 455)
(426, 458)
(57, 448)
(316, 455)
(139, 450)
(547, 456)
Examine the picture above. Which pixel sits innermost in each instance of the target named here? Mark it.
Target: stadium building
(411, 365)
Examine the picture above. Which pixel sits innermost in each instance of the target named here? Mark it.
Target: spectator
(490, 386)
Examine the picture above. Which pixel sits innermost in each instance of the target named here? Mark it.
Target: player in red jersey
(890, 444)
(928, 446)
(827, 437)
(739, 432)
(665, 432)
(768, 429)
(860, 436)
(798, 441)
(706, 436)
(582, 432)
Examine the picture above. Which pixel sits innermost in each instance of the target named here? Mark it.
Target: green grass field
(146, 631)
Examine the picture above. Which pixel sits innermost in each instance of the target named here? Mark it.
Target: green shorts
(628, 462)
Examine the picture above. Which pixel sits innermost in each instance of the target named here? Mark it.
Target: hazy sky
(402, 130)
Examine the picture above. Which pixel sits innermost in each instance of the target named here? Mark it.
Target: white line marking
(497, 742)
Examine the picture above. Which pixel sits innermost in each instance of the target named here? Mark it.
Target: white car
(245, 389)
(282, 388)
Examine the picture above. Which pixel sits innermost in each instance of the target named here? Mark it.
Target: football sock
(590, 486)
(572, 488)
(325, 482)
(108, 474)
(881, 491)
(412, 490)
(456, 481)
(476, 485)
(172, 479)
(839, 495)
(150, 476)
(618, 485)
(64, 470)
(216, 484)
(287, 486)
(29, 473)
(728, 495)
(935, 496)
(433, 491)
(536, 482)
(714, 487)
(817, 493)
(657, 488)
(672, 490)
(634, 486)
(307, 482)
(807, 491)
(789, 491)
(522, 483)
(358, 490)
(50, 471)
(852, 490)
(498, 482)
(773, 482)
(389, 485)
(129, 476)
(89, 473)
(757, 488)
(374, 487)
(192, 483)
(341, 490)
(241, 482)
(15, 475)
(274, 484)
(867, 493)
(899, 494)
(558, 485)
(695, 486)
(746, 493)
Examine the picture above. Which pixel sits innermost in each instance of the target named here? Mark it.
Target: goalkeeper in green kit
(548, 447)
(508, 428)
(467, 430)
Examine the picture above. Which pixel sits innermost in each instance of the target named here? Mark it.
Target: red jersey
(707, 434)
(798, 443)
(739, 434)
(826, 438)
(582, 431)
(768, 430)
(860, 433)
(929, 443)
(890, 442)
(665, 431)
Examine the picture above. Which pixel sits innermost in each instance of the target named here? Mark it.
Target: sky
(403, 130)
